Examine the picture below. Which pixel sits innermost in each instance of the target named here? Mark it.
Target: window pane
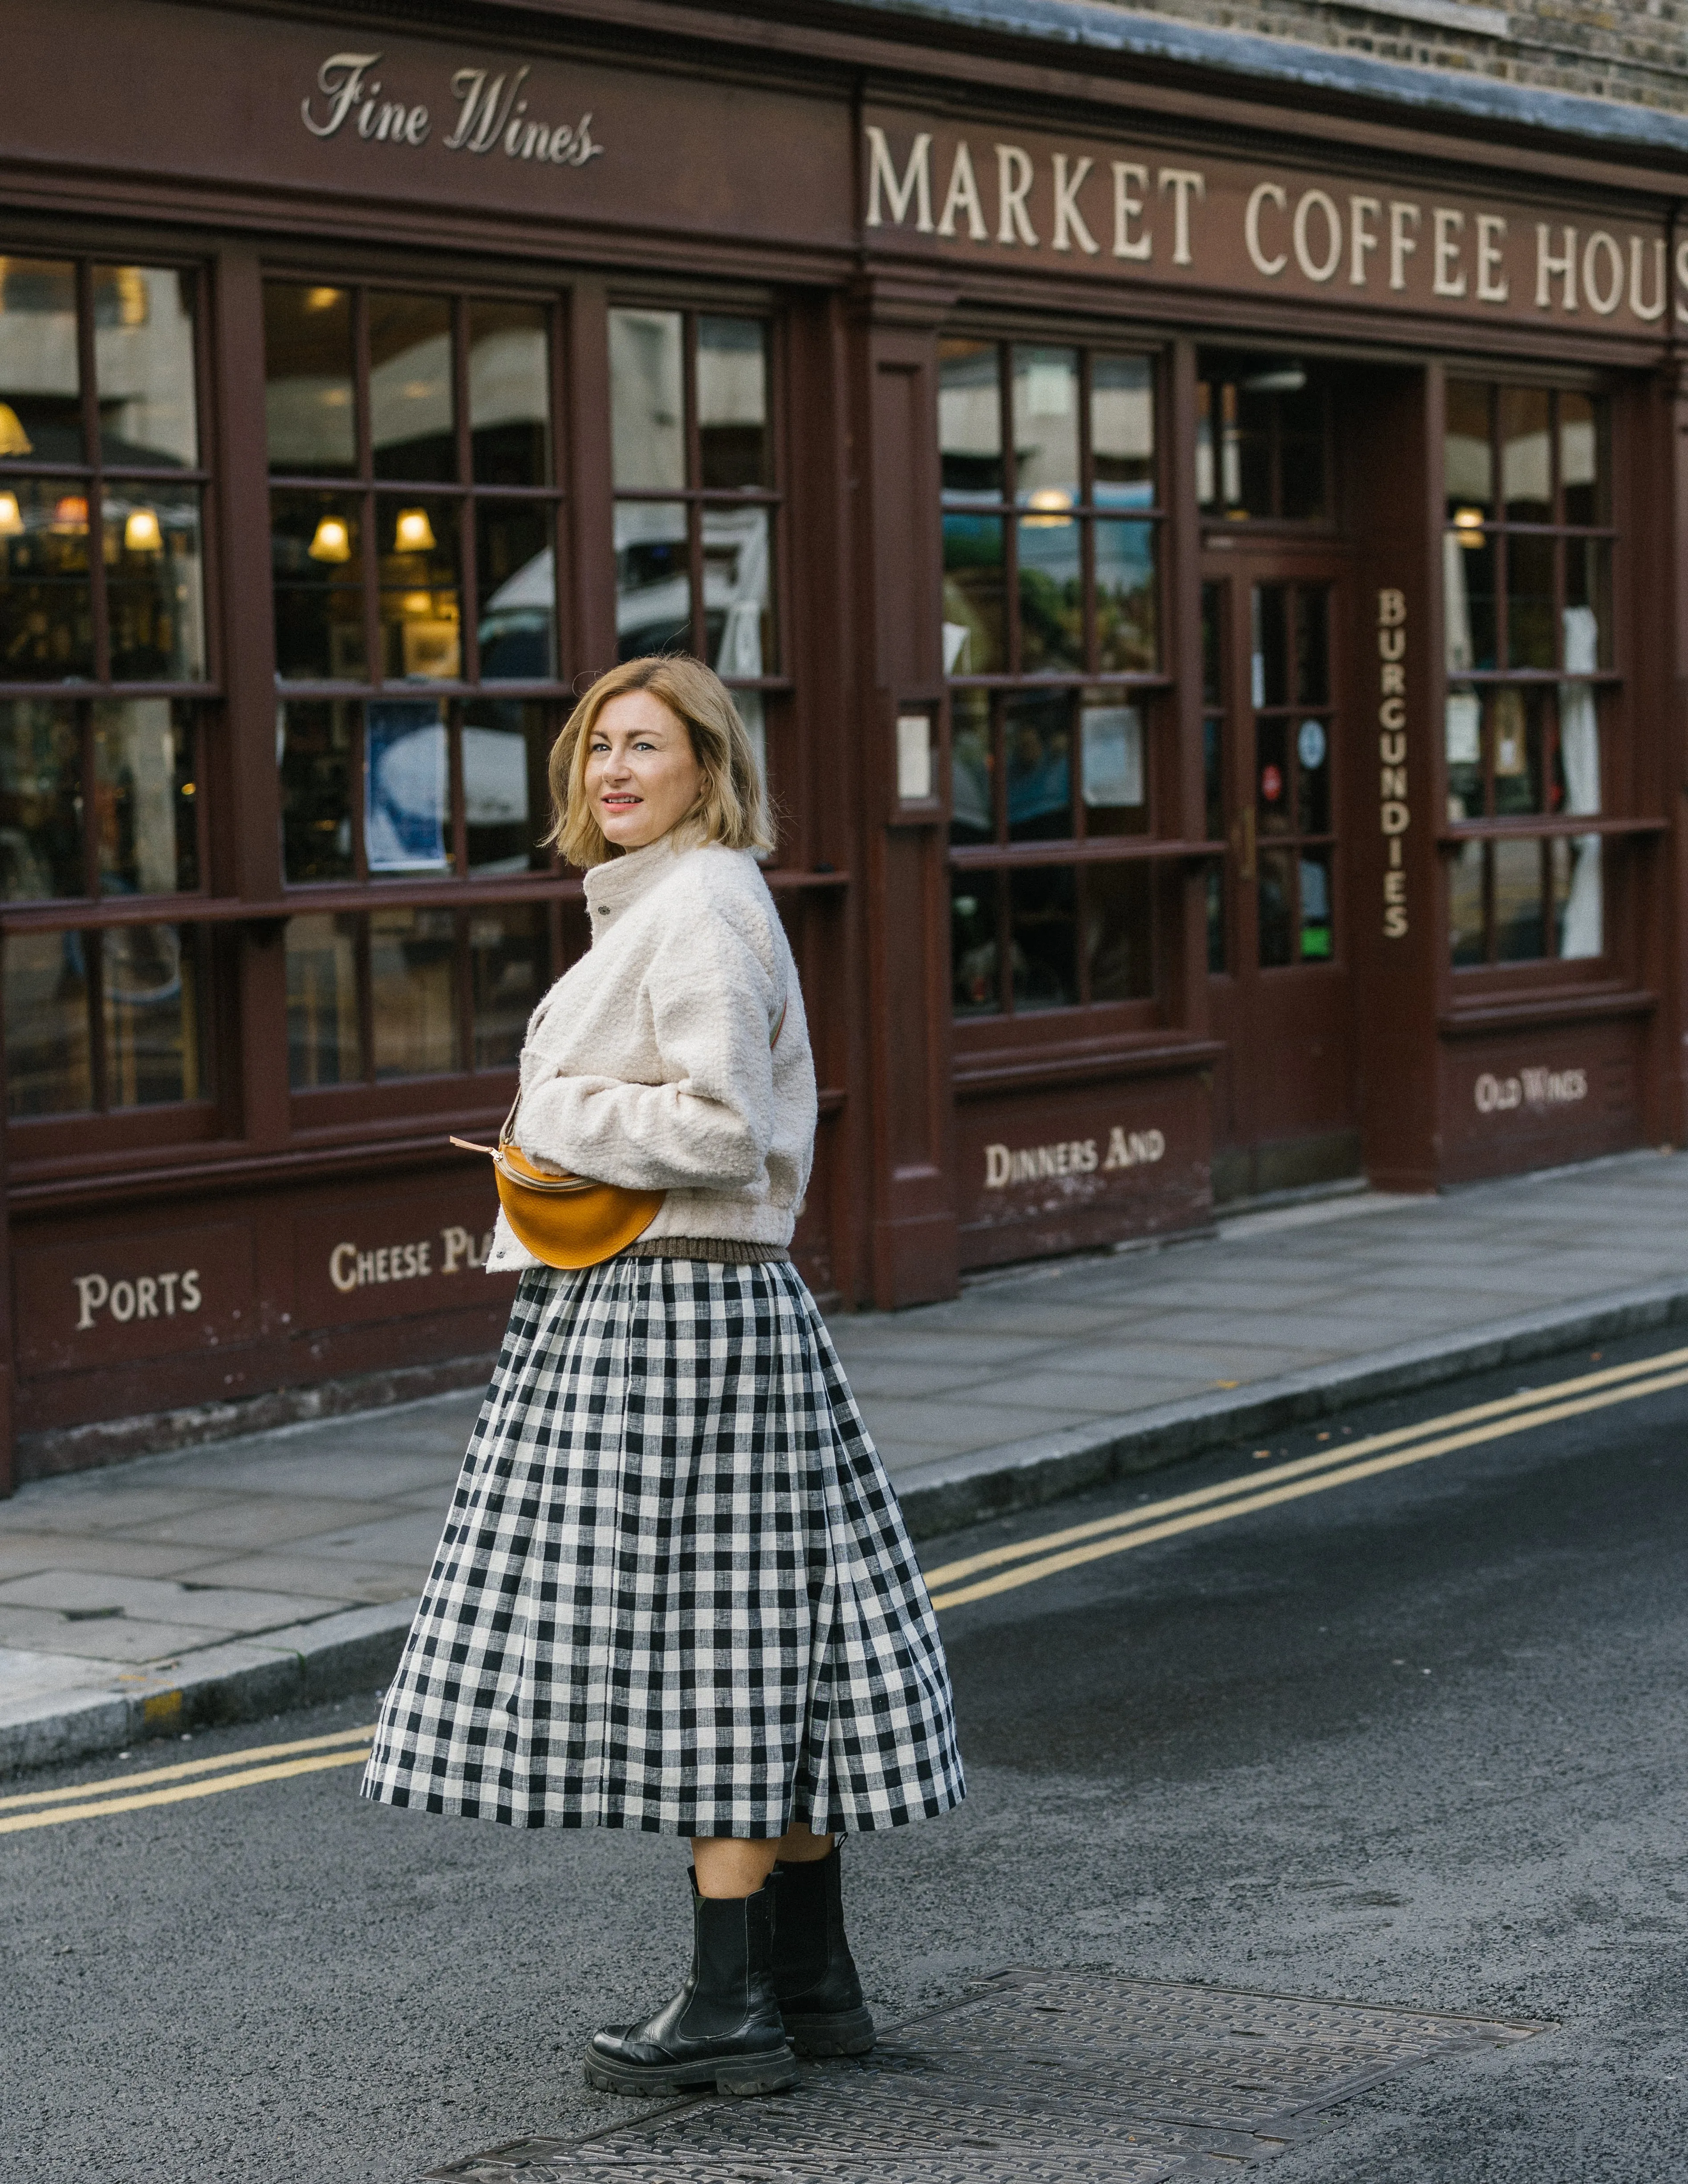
(974, 951)
(1123, 431)
(1463, 735)
(509, 970)
(1051, 594)
(412, 420)
(739, 620)
(1468, 581)
(1045, 398)
(1531, 638)
(46, 623)
(516, 568)
(1312, 776)
(1269, 661)
(149, 977)
(1273, 808)
(1119, 930)
(653, 578)
(1213, 640)
(1518, 934)
(143, 366)
(319, 745)
(1578, 906)
(323, 1044)
(1318, 913)
(509, 395)
(41, 409)
(1277, 903)
(1217, 957)
(1467, 930)
(1113, 773)
(407, 789)
(420, 604)
(49, 1056)
(1468, 454)
(1126, 617)
(1584, 469)
(1526, 454)
(970, 419)
(974, 641)
(155, 596)
(145, 790)
(1037, 743)
(972, 769)
(1043, 938)
(1301, 454)
(1312, 645)
(506, 803)
(1588, 605)
(40, 801)
(735, 445)
(647, 403)
(413, 992)
(1213, 776)
(316, 553)
(1516, 742)
(307, 379)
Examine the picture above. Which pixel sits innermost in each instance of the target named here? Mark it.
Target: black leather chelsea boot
(722, 2029)
(815, 1975)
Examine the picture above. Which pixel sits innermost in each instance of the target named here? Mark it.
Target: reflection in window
(506, 802)
(308, 406)
(647, 404)
(508, 962)
(509, 395)
(323, 1045)
(42, 851)
(143, 366)
(151, 1048)
(145, 795)
(1263, 431)
(516, 570)
(421, 601)
(407, 803)
(653, 578)
(49, 1045)
(319, 756)
(41, 404)
(734, 443)
(413, 1000)
(412, 421)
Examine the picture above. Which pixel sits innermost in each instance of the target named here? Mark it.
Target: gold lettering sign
(1395, 813)
(490, 115)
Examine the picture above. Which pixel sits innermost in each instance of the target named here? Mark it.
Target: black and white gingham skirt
(674, 1591)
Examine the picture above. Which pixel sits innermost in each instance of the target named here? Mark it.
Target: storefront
(1203, 571)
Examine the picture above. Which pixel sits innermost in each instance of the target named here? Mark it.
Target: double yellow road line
(191, 1778)
(955, 1584)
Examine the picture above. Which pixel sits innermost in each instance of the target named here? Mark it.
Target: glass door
(1273, 739)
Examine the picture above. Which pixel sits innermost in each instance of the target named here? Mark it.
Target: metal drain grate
(1037, 2078)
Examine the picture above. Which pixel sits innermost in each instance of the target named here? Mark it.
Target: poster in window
(406, 787)
(1112, 745)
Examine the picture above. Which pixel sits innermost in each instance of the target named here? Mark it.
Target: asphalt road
(1419, 1737)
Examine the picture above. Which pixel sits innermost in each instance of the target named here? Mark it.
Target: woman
(674, 1591)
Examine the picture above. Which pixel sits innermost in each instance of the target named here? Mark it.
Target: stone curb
(994, 1482)
(356, 1650)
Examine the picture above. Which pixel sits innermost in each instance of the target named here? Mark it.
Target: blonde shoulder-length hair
(731, 808)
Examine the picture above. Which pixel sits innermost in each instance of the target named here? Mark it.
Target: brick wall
(1633, 50)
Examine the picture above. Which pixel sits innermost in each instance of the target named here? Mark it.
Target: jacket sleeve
(710, 1125)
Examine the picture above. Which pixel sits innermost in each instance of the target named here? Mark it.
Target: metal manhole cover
(1034, 2078)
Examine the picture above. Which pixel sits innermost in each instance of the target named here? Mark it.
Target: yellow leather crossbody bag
(568, 1221)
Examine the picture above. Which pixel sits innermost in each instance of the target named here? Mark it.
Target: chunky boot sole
(830, 2032)
(772, 2073)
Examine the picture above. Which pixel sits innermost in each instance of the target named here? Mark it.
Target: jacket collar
(611, 889)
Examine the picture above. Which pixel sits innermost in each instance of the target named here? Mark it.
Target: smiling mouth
(620, 803)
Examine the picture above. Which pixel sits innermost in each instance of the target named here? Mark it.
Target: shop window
(1051, 644)
(1528, 571)
(414, 515)
(1263, 442)
(697, 507)
(104, 687)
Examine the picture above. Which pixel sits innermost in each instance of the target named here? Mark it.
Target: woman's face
(642, 777)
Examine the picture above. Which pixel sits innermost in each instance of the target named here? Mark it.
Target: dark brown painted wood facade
(805, 176)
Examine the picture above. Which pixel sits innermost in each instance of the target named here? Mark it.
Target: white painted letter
(1183, 182)
(916, 185)
(1363, 239)
(1401, 243)
(1491, 231)
(1126, 209)
(1067, 212)
(963, 196)
(1261, 193)
(1546, 265)
(1013, 187)
(1450, 226)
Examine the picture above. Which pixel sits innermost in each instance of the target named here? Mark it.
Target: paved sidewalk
(235, 1578)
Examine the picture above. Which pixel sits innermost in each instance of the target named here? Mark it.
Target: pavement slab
(304, 1546)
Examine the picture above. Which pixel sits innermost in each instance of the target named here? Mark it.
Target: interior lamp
(1053, 501)
(1468, 524)
(333, 541)
(141, 532)
(11, 516)
(414, 534)
(14, 439)
(70, 513)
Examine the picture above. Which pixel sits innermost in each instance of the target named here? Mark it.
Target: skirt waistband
(724, 1251)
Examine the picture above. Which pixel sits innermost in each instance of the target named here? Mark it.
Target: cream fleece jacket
(649, 1064)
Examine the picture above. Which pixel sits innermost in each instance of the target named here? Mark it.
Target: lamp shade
(414, 533)
(70, 513)
(11, 516)
(333, 541)
(141, 532)
(14, 439)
